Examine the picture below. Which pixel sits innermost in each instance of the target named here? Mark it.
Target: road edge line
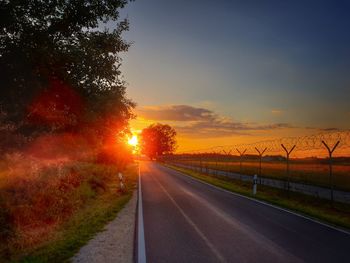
(141, 248)
(264, 203)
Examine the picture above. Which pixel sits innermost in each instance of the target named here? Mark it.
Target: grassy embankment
(302, 171)
(48, 216)
(337, 214)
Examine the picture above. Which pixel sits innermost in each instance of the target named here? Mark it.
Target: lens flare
(133, 141)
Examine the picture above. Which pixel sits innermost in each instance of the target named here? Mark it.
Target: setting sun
(133, 141)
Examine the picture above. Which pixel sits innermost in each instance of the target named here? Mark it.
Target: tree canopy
(158, 139)
(62, 51)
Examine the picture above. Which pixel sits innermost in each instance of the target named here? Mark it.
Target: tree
(52, 46)
(158, 139)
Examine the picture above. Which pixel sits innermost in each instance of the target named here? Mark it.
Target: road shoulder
(116, 242)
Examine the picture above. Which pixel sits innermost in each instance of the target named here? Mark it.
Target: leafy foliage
(158, 139)
(48, 46)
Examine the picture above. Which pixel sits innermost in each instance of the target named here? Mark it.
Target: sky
(226, 72)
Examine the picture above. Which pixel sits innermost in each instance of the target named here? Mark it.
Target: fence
(317, 164)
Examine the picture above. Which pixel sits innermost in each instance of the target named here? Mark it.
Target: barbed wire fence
(326, 146)
(303, 143)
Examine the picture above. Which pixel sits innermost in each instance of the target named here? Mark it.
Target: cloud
(175, 113)
(223, 128)
(201, 122)
(276, 111)
(327, 129)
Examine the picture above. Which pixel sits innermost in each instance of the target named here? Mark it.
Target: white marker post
(121, 181)
(255, 182)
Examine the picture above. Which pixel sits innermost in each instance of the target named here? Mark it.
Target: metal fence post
(241, 154)
(260, 160)
(288, 152)
(255, 182)
(227, 159)
(216, 164)
(330, 152)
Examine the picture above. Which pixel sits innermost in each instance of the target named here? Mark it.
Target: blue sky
(261, 62)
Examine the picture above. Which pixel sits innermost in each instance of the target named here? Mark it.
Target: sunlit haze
(239, 71)
(133, 141)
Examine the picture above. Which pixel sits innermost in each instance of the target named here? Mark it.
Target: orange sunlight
(133, 141)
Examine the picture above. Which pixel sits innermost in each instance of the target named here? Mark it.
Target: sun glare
(133, 141)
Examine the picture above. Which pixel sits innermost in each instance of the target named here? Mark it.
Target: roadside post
(121, 182)
(255, 182)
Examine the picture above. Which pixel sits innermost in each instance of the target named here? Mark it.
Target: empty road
(188, 221)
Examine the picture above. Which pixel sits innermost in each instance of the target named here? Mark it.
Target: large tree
(60, 50)
(158, 139)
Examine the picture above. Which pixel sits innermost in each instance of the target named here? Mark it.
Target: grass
(77, 232)
(303, 171)
(337, 214)
(91, 205)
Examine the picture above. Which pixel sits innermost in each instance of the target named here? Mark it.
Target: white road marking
(262, 202)
(141, 251)
(260, 240)
(191, 223)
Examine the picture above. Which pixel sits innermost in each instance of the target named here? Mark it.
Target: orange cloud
(175, 113)
(200, 122)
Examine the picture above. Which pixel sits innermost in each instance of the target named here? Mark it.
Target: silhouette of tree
(60, 45)
(158, 139)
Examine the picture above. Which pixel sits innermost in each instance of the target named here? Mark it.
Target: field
(314, 171)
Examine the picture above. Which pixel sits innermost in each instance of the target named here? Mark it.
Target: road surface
(188, 221)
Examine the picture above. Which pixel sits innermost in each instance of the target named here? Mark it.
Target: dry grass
(37, 198)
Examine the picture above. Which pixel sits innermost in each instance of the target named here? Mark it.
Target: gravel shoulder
(116, 242)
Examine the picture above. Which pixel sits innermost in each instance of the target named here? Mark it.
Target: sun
(133, 141)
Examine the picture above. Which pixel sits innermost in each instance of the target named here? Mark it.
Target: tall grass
(38, 196)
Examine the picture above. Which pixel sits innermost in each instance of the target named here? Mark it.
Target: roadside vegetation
(336, 214)
(64, 124)
(49, 216)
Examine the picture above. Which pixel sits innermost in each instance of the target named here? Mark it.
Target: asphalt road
(188, 221)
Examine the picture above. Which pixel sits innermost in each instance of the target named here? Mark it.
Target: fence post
(241, 154)
(260, 160)
(330, 153)
(216, 163)
(288, 152)
(227, 158)
(193, 162)
(255, 182)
